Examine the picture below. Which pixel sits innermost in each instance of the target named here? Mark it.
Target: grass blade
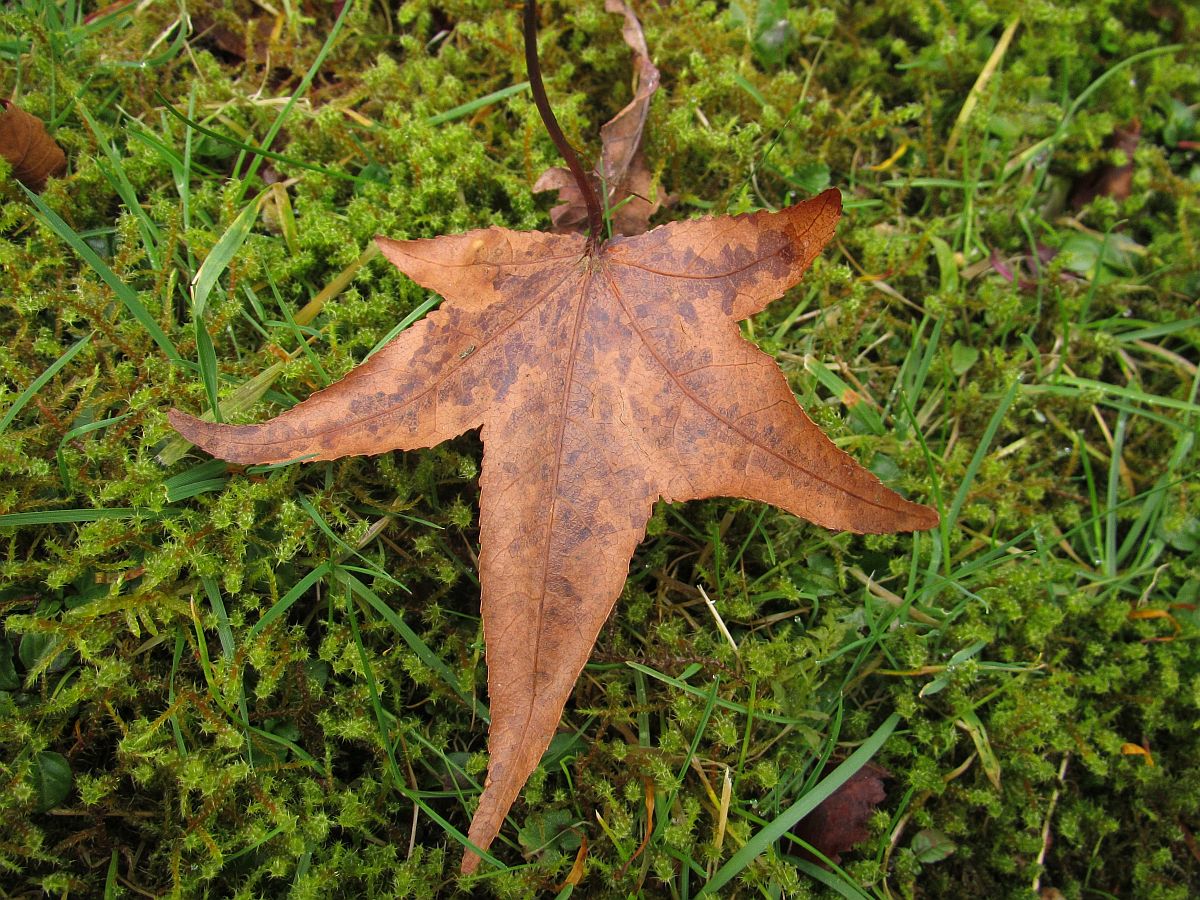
(206, 357)
(720, 702)
(74, 434)
(257, 151)
(418, 646)
(320, 522)
(67, 516)
(801, 808)
(284, 603)
(38, 383)
(127, 295)
(115, 173)
(1127, 393)
(478, 103)
(220, 256)
(964, 489)
(225, 635)
(831, 880)
(381, 718)
(301, 89)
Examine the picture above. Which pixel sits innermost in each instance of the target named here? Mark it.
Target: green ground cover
(270, 682)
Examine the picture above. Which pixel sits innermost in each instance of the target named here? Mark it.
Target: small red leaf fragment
(840, 822)
(1145, 614)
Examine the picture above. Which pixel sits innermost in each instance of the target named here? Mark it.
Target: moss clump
(270, 682)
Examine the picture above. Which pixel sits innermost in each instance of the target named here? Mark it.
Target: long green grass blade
(220, 257)
(258, 151)
(382, 721)
(1045, 147)
(225, 635)
(75, 434)
(115, 173)
(423, 307)
(320, 522)
(1134, 395)
(301, 89)
(968, 479)
(720, 702)
(69, 516)
(197, 480)
(206, 358)
(831, 880)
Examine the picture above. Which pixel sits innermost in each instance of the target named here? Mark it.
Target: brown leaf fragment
(621, 136)
(602, 381)
(25, 143)
(241, 31)
(621, 175)
(839, 823)
(1110, 180)
(571, 213)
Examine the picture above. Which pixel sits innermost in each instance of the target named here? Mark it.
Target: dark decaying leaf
(840, 821)
(622, 175)
(252, 41)
(603, 378)
(25, 143)
(1110, 180)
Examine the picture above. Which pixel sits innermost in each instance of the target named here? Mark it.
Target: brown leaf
(622, 168)
(241, 30)
(602, 381)
(840, 821)
(1109, 180)
(233, 43)
(25, 143)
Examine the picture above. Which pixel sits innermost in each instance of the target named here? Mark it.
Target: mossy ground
(265, 683)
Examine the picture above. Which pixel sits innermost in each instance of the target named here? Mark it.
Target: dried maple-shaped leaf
(622, 164)
(25, 143)
(602, 381)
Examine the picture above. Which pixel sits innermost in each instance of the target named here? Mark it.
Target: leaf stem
(595, 214)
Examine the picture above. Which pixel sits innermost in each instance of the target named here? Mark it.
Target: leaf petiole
(595, 213)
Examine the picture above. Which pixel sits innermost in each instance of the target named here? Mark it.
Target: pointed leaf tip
(470, 862)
